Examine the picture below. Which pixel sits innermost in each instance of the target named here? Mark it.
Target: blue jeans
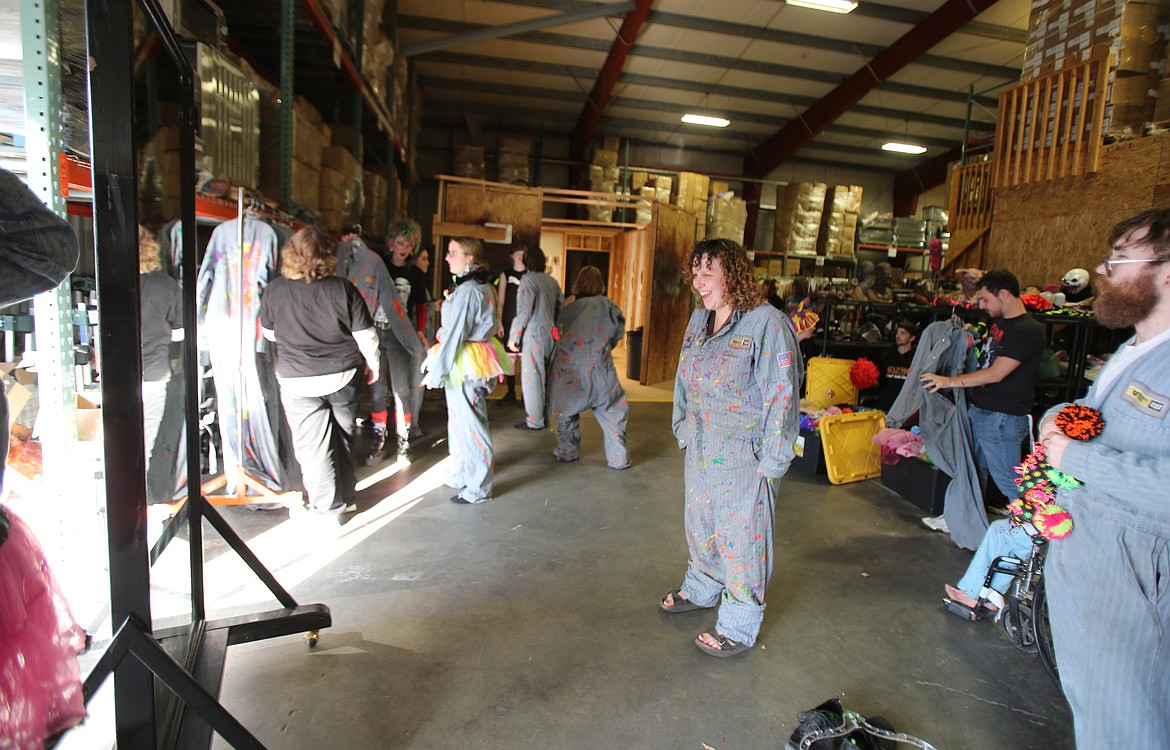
(1001, 540)
(998, 442)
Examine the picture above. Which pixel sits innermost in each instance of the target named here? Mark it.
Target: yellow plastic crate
(847, 440)
(827, 382)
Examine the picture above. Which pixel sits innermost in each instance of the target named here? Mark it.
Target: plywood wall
(479, 204)
(1040, 231)
(670, 297)
(627, 274)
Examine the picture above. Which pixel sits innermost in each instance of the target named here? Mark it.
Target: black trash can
(634, 354)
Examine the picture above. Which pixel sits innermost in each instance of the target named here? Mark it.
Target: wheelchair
(1023, 610)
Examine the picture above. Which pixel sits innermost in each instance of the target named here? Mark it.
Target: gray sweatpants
(469, 441)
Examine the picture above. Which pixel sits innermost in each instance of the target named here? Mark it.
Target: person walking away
(463, 363)
(507, 285)
(402, 239)
(161, 304)
(736, 406)
(533, 334)
(325, 333)
(1109, 581)
(398, 345)
(1002, 389)
(583, 375)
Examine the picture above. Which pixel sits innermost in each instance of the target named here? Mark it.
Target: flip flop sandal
(680, 604)
(727, 647)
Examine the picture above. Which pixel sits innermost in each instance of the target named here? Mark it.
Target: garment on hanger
(236, 372)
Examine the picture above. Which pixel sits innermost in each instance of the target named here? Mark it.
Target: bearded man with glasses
(1109, 581)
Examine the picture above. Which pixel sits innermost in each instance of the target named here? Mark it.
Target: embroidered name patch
(740, 342)
(1146, 401)
(784, 359)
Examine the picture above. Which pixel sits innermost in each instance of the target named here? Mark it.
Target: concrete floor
(533, 620)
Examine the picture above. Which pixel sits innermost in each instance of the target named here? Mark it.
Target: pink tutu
(40, 683)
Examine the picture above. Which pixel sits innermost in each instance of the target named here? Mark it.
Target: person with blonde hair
(583, 375)
(736, 406)
(161, 302)
(324, 333)
(463, 363)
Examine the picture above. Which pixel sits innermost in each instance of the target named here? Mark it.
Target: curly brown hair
(739, 277)
(310, 255)
(149, 255)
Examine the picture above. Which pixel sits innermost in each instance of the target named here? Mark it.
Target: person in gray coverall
(736, 411)
(397, 341)
(464, 361)
(1109, 580)
(583, 374)
(537, 303)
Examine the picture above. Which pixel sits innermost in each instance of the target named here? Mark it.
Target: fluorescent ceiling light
(714, 122)
(832, 6)
(904, 148)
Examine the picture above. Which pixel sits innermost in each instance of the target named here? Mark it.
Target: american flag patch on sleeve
(784, 359)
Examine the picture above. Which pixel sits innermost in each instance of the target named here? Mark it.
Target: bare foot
(710, 641)
(960, 597)
(668, 601)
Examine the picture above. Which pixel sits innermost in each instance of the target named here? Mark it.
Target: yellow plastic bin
(847, 440)
(827, 382)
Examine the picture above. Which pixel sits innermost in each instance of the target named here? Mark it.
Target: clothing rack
(248, 489)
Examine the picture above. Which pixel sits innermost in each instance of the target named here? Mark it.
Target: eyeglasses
(1109, 263)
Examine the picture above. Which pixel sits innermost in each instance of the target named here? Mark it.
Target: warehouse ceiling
(796, 83)
(533, 67)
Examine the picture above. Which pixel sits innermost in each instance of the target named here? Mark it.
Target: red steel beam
(801, 130)
(607, 78)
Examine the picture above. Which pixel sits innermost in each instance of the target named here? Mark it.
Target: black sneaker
(825, 717)
(376, 448)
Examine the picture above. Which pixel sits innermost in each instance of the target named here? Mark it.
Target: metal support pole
(57, 418)
(967, 125)
(115, 218)
(287, 39)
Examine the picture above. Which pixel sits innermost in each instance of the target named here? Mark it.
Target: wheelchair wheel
(1017, 623)
(1042, 633)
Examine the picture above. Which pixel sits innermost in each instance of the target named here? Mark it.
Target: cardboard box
(89, 419)
(612, 143)
(605, 158)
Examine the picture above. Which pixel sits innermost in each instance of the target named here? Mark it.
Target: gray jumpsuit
(537, 302)
(736, 411)
(583, 377)
(468, 316)
(1109, 580)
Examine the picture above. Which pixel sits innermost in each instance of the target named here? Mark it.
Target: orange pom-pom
(1080, 422)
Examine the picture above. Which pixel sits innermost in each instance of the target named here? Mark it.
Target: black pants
(323, 437)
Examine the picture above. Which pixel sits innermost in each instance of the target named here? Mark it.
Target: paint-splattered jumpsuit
(468, 316)
(583, 377)
(537, 302)
(736, 411)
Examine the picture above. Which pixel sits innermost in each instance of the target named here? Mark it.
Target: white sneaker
(936, 523)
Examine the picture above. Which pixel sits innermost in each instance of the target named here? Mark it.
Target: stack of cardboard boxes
(512, 160)
(728, 217)
(340, 196)
(839, 221)
(469, 162)
(375, 191)
(799, 208)
(692, 196)
(309, 137)
(1065, 33)
(652, 188)
(159, 186)
(603, 175)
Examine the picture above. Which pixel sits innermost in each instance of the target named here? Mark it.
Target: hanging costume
(946, 429)
(220, 316)
(583, 377)
(400, 345)
(736, 412)
(537, 302)
(464, 361)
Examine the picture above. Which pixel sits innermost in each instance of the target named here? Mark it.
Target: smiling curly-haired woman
(736, 407)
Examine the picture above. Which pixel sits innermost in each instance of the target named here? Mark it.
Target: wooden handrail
(971, 200)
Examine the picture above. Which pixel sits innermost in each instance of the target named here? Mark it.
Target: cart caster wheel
(311, 638)
(1017, 623)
